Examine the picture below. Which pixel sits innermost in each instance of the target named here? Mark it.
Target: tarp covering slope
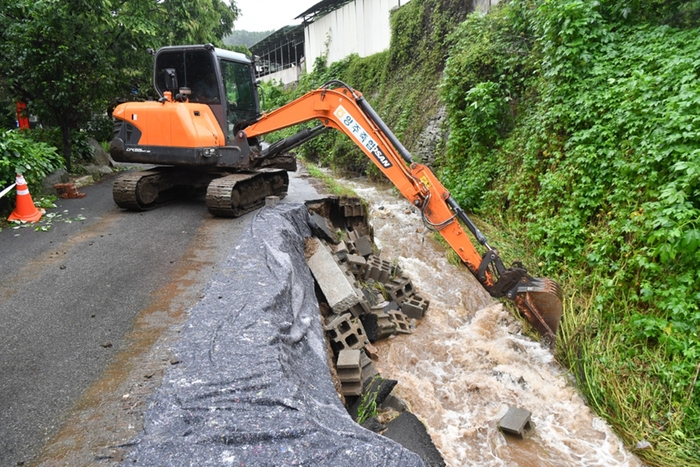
(253, 385)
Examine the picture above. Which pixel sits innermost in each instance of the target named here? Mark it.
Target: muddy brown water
(467, 362)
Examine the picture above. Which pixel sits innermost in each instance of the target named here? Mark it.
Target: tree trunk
(67, 143)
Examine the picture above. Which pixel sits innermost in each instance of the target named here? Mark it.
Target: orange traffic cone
(24, 208)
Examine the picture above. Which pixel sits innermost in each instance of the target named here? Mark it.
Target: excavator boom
(344, 109)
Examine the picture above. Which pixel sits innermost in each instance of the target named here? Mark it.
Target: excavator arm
(344, 109)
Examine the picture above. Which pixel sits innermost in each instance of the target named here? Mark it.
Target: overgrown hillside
(576, 125)
(580, 122)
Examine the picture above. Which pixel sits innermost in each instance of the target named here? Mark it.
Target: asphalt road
(87, 309)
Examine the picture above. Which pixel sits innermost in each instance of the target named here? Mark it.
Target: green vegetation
(574, 129)
(20, 154)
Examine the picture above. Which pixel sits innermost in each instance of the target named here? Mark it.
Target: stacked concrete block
(415, 306)
(400, 288)
(345, 332)
(349, 370)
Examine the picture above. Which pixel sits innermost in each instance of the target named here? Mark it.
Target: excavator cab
(203, 74)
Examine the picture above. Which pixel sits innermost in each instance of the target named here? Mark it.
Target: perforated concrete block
(415, 306)
(345, 332)
(400, 288)
(378, 325)
(516, 422)
(351, 207)
(349, 370)
(403, 325)
(377, 269)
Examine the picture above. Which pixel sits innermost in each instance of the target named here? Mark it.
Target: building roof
(322, 8)
(286, 33)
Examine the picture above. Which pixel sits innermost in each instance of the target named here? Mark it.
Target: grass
(328, 181)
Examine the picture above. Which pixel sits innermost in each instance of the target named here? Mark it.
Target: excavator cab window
(240, 96)
(193, 69)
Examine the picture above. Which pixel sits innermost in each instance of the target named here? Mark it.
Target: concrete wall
(286, 76)
(360, 27)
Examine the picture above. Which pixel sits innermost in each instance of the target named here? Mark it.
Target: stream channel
(467, 361)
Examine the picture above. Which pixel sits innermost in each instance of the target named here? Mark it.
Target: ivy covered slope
(579, 120)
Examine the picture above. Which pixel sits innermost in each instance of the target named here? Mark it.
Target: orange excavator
(204, 133)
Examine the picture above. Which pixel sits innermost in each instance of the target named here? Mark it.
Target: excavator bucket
(541, 305)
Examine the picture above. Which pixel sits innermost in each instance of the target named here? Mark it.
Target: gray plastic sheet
(253, 387)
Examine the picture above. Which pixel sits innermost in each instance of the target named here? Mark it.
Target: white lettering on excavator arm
(362, 136)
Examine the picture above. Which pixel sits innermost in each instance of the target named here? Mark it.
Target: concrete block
(345, 332)
(322, 228)
(360, 309)
(378, 269)
(516, 422)
(378, 325)
(339, 292)
(351, 206)
(403, 326)
(349, 359)
(356, 265)
(400, 288)
(364, 246)
(415, 306)
(349, 370)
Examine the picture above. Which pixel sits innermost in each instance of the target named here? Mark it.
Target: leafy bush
(20, 154)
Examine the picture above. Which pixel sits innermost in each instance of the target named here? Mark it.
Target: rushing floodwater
(466, 362)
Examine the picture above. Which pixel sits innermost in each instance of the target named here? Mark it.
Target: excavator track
(238, 194)
(137, 191)
(150, 189)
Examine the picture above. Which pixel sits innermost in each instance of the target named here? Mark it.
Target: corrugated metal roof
(322, 8)
(284, 34)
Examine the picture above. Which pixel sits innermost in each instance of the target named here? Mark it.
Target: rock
(373, 424)
(643, 444)
(410, 432)
(60, 176)
(97, 171)
(100, 156)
